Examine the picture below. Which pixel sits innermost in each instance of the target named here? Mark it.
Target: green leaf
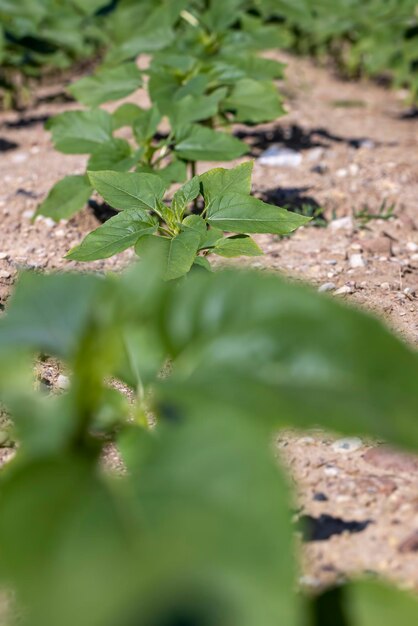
(66, 198)
(222, 14)
(204, 144)
(233, 68)
(125, 115)
(49, 312)
(115, 154)
(240, 567)
(184, 196)
(176, 255)
(255, 101)
(154, 34)
(198, 225)
(174, 172)
(213, 235)
(290, 355)
(60, 558)
(378, 604)
(117, 234)
(80, 132)
(239, 245)
(195, 108)
(145, 124)
(128, 190)
(220, 181)
(201, 262)
(107, 84)
(90, 6)
(240, 213)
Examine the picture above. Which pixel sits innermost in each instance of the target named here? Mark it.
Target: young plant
(202, 79)
(180, 235)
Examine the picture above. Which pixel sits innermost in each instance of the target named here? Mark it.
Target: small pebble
(20, 157)
(411, 246)
(320, 497)
(4, 274)
(315, 153)
(356, 260)
(331, 471)
(326, 287)
(28, 214)
(309, 581)
(385, 286)
(3, 255)
(306, 440)
(276, 156)
(48, 221)
(344, 290)
(342, 223)
(63, 382)
(353, 168)
(367, 143)
(349, 444)
(319, 169)
(341, 173)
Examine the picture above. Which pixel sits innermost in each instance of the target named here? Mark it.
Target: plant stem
(193, 168)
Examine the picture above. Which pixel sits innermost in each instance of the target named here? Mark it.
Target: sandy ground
(358, 147)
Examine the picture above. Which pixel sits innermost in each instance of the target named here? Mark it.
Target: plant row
(40, 36)
(204, 76)
(377, 38)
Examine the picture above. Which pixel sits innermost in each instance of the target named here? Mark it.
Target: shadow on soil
(6, 145)
(27, 122)
(297, 138)
(297, 200)
(101, 211)
(325, 526)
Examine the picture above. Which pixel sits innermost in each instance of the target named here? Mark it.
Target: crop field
(209, 313)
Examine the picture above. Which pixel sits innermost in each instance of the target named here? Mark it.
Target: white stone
(326, 287)
(20, 157)
(342, 223)
(341, 173)
(63, 382)
(411, 246)
(48, 221)
(3, 255)
(309, 581)
(344, 290)
(276, 156)
(348, 444)
(330, 470)
(315, 153)
(28, 214)
(356, 260)
(4, 274)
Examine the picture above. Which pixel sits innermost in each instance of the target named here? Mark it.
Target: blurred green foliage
(195, 528)
(38, 36)
(377, 38)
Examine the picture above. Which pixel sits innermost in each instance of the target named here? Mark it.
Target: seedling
(181, 237)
